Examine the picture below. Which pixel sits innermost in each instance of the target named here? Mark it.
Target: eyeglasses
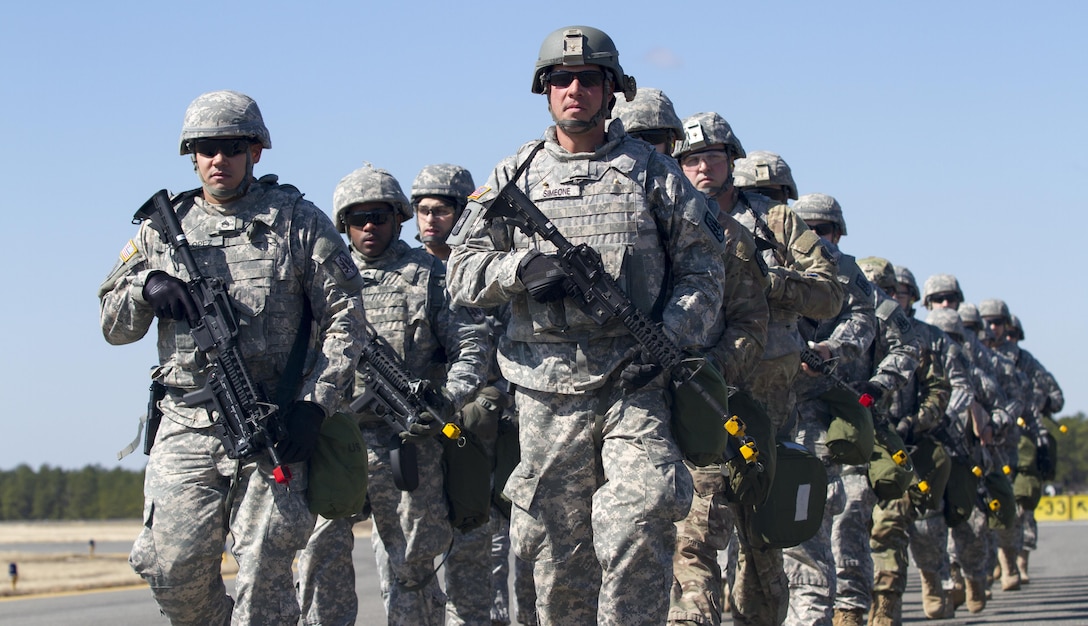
(586, 78)
(712, 158)
(362, 218)
(823, 230)
(994, 321)
(227, 147)
(944, 298)
(653, 136)
(439, 212)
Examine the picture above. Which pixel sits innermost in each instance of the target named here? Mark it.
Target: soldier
(283, 266)
(767, 174)
(801, 283)
(738, 336)
(404, 291)
(600, 482)
(439, 194)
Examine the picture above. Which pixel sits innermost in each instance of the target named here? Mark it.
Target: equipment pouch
(850, 436)
(338, 469)
(699, 406)
(961, 493)
(890, 469)
(1027, 488)
(794, 510)
(1003, 515)
(933, 466)
(750, 483)
(467, 467)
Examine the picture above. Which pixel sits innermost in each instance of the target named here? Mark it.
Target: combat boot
(958, 594)
(848, 617)
(1022, 565)
(1010, 576)
(976, 594)
(887, 609)
(935, 602)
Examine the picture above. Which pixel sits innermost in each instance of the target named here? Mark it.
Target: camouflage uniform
(600, 481)
(403, 289)
(274, 251)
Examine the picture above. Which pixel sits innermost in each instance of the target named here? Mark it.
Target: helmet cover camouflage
(941, 283)
(993, 307)
(969, 314)
(650, 110)
(223, 114)
(703, 130)
(368, 184)
(949, 321)
(904, 276)
(582, 45)
(818, 207)
(765, 169)
(879, 271)
(1016, 327)
(444, 179)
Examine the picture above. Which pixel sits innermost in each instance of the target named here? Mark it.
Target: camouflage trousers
(969, 545)
(179, 551)
(326, 574)
(411, 528)
(897, 525)
(524, 592)
(810, 567)
(697, 587)
(850, 541)
(1031, 529)
(468, 578)
(772, 384)
(595, 496)
(929, 545)
(760, 593)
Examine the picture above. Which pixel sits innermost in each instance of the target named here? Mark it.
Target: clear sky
(953, 134)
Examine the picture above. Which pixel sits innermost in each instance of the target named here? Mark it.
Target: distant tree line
(52, 493)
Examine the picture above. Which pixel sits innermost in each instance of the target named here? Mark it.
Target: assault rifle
(951, 434)
(397, 397)
(812, 359)
(598, 296)
(242, 417)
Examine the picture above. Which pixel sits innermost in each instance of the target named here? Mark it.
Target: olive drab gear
(650, 110)
(765, 169)
(446, 180)
(707, 129)
(368, 184)
(338, 469)
(582, 45)
(993, 307)
(821, 207)
(879, 271)
(795, 506)
(904, 276)
(941, 283)
(219, 114)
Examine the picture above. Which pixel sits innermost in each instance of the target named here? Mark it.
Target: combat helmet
(1016, 328)
(819, 207)
(446, 180)
(765, 169)
(368, 184)
(582, 45)
(993, 307)
(941, 283)
(904, 276)
(223, 114)
(707, 129)
(969, 314)
(879, 271)
(949, 321)
(651, 109)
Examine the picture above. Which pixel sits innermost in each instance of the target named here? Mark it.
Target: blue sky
(952, 134)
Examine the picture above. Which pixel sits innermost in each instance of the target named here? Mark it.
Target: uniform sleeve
(934, 392)
(123, 313)
(963, 393)
(901, 346)
(745, 310)
(463, 333)
(807, 283)
(332, 285)
(855, 327)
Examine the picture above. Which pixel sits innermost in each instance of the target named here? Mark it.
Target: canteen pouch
(338, 469)
(850, 435)
(794, 509)
(699, 407)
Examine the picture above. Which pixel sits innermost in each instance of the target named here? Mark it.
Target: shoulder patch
(479, 192)
(900, 319)
(863, 284)
(128, 251)
(346, 265)
(713, 226)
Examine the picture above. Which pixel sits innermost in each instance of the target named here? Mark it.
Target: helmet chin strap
(226, 195)
(578, 127)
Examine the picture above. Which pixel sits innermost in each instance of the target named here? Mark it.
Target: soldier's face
(576, 96)
(944, 301)
(904, 296)
(222, 168)
(434, 218)
(375, 225)
(710, 169)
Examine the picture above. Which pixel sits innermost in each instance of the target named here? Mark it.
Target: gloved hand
(303, 422)
(543, 277)
(873, 389)
(169, 296)
(641, 370)
(904, 428)
(427, 426)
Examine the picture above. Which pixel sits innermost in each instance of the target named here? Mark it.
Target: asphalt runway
(1057, 594)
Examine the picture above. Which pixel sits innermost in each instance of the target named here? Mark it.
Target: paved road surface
(1057, 595)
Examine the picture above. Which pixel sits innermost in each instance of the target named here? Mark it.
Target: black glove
(423, 428)
(170, 297)
(874, 390)
(543, 277)
(303, 422)
(639, 371)
(904, 428)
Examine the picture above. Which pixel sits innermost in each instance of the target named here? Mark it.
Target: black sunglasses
(587, 78)
(944, 298)
(823, 230)
(653, 136)
(362, 218)
(227, 147)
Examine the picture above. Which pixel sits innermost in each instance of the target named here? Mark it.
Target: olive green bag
(794, 510)
(699, 407)
(890, 469)
(338, 469)
(999, 488)
(467, 467)
(1026, 455)
(850, 435)
(747, 482)
(933, 466)
(1028, 489)
(961, 494)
